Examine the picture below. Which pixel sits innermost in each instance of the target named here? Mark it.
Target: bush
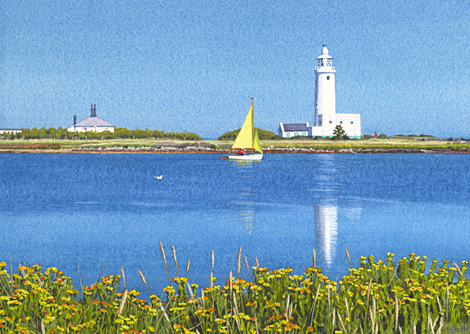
(339, 133)
(262, 134)
(382, 136)
(367, 137)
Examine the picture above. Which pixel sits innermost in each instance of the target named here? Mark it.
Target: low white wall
(91, 129)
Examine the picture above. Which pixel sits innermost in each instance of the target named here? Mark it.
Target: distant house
(293, 130)
(91, 124)
(10, 131)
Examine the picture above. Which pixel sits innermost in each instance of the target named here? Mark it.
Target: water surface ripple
(65, 210)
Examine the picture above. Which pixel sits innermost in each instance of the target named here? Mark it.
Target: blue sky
(194, 65)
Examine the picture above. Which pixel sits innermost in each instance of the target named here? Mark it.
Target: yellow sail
(257, 144)
(245, 137)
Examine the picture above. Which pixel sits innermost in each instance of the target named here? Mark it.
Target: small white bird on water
(158, 177)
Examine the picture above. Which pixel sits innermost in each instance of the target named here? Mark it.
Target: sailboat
(248, 139)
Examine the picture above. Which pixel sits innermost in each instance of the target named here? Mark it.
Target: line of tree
(137, 133)
(123, 133)
(262, 134)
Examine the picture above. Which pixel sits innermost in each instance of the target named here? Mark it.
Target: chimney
(74, 120)
(91, 109)
(94, 110)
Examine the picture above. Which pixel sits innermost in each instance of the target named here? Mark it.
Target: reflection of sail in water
(326, 229)
(245, 202)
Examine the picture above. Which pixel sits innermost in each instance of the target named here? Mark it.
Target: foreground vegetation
(376, 297)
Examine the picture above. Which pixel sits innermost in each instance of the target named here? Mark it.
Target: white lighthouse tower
(325, 99)
(325, 116)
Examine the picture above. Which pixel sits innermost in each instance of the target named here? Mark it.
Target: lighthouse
(325, 118)
(325, 98)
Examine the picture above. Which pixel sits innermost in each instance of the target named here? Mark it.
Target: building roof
(295, 127)
(91, 122)
(324, 53)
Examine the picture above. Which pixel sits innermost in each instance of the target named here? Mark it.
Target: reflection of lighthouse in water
(326, 230)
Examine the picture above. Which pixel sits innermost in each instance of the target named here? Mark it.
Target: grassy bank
(153, 143)
(377, 297)
(368, 144)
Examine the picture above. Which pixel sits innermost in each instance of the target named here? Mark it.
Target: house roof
(296, 127)
(94, 121)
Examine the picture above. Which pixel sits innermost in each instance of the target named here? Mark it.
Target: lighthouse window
(331, 122)
(328, 78)
(352, 122)
(341, 122)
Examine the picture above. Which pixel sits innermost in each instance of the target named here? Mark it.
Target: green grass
(372, 144)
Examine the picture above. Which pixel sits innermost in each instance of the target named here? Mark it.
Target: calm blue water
(65, 210)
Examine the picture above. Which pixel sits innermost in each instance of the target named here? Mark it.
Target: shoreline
(219, 151)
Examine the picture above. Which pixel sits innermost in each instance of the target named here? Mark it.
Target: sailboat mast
(252, 122)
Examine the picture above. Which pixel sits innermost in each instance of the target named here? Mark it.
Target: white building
(91, 124)
(10, 131)
(293, 130)
(325, 116)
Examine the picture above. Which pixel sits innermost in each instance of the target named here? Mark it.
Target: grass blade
(212, 260)
(123, 277)
(176, 261)
(166, 264)
(143, 280)
(341, 322)
(239, 263)
(458, 269)
(101, 270)
(349, 259)
(396, 313)
(248, 268)
(12, 277)
(187, 268)
(22, 271)
(80, 279)
(123, 301)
